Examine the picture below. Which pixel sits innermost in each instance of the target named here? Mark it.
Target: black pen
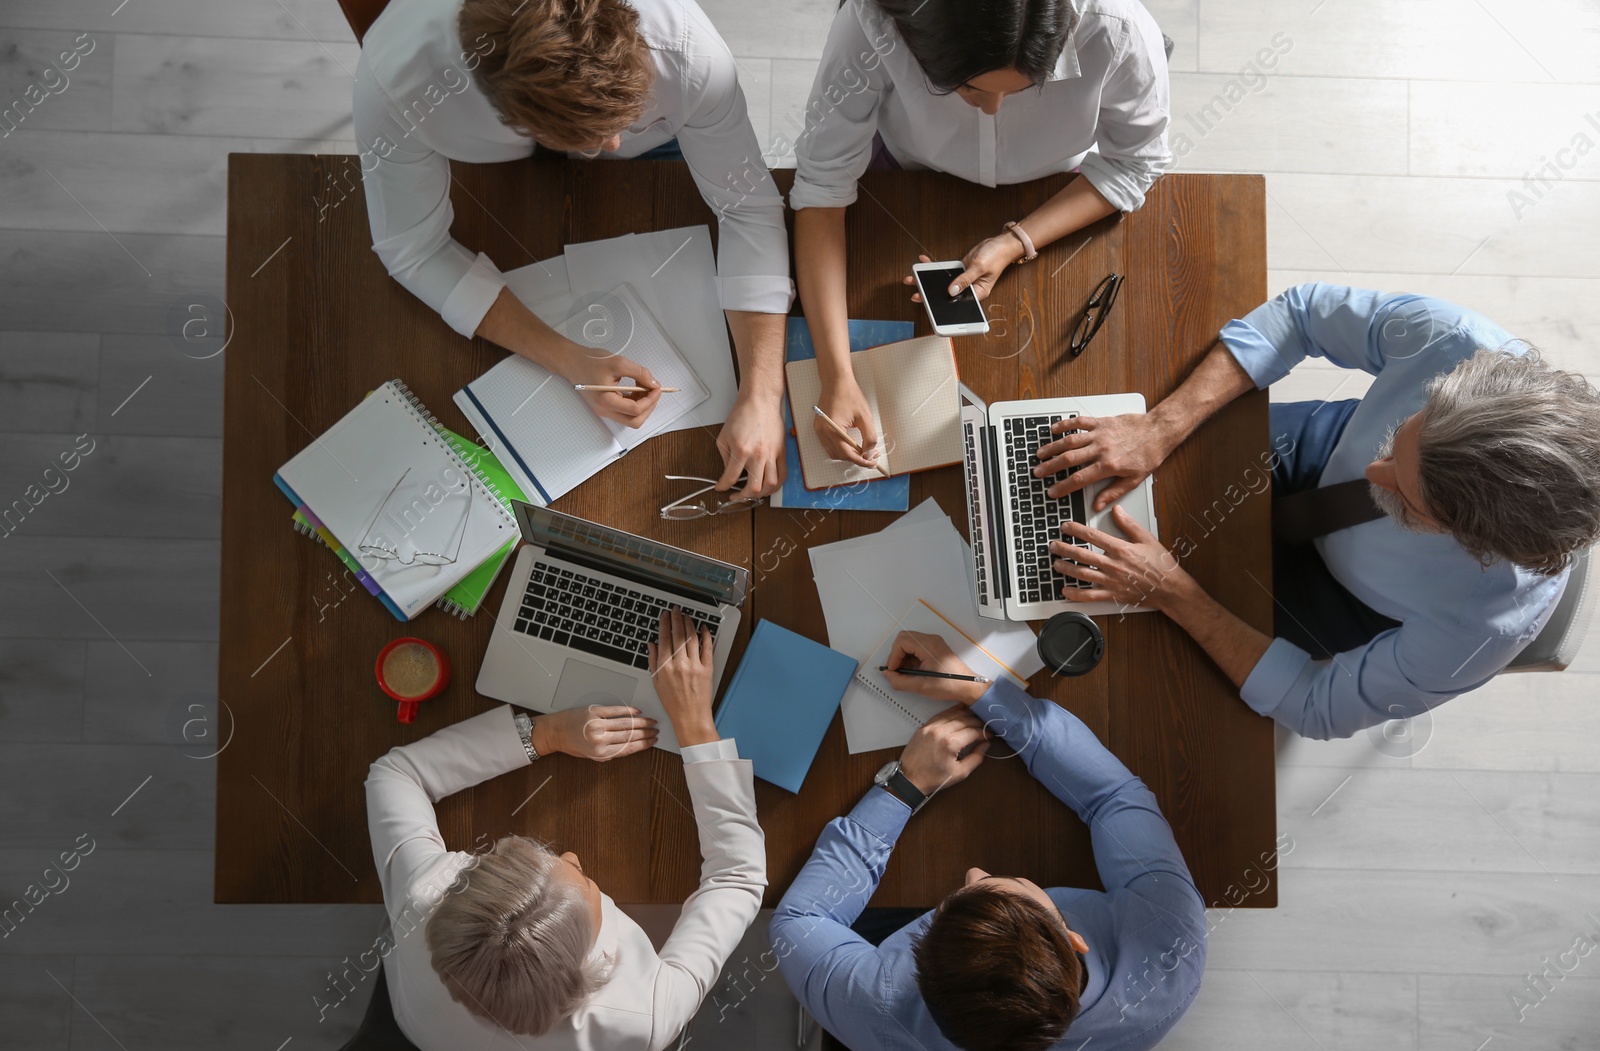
(933, 674)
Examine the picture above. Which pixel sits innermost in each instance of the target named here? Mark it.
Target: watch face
(885, 772)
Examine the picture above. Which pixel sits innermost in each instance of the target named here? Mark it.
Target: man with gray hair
(1421, 534)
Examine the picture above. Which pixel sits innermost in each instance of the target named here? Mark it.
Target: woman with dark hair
(996, 92)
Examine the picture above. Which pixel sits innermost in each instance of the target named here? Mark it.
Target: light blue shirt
(1146, 932)
(1460, 622)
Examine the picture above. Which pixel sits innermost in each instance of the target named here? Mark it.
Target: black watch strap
(900, 786)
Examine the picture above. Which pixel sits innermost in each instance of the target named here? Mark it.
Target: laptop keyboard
(974, 529)
(589, 613)
(1038, 516)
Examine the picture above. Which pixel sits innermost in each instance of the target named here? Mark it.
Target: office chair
(379, 1031)
(361, 14)
(1557, 643)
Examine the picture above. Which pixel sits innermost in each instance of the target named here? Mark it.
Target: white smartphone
(960, 315)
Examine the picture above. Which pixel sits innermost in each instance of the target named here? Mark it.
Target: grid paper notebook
(543, 431)
(912, 389)
(384, 476)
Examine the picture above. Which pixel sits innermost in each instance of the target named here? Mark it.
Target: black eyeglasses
(1094, 315)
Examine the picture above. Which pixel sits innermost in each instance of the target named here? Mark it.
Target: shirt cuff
(1274, 676)
(1118, 183)
(807, 194)
(881, 813)
(467, 303)
(1003, 707)
(759, 295)
(723, 748)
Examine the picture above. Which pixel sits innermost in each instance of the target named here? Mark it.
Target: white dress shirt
(417, 108)
(1103, 109)
(649, 997)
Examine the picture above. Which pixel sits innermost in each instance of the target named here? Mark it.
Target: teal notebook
(781, 700)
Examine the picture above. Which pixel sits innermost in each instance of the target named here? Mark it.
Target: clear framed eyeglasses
(418, 558)
(698, 505)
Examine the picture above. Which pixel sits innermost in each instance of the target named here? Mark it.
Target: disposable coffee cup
(411, 671)
(1071, 643)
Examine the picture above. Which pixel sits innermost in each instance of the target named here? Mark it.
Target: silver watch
(524, 723)
(894, 781)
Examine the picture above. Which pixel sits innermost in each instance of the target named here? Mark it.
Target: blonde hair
(568, 73)
(512, 945)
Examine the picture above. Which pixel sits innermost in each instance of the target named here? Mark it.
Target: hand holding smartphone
(958, 315)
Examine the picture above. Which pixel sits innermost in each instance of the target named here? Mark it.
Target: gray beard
(1392, 506)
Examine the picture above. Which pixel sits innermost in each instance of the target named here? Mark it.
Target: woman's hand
(681, 665)
(593, 367)
(598, 731)
(847, 406)
(915, 649)
(984, 264)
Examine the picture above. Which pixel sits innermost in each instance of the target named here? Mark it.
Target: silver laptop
(583, 603)
(1012, 519)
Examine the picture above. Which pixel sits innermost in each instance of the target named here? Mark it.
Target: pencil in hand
(633, 389)
(841, 432)
(927, 673)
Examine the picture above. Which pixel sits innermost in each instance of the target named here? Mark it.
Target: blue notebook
(781, 700)
(879, 494)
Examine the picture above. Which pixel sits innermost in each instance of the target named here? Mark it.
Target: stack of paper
(872, 585)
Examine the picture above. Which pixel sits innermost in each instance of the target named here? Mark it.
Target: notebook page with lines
(913, 391)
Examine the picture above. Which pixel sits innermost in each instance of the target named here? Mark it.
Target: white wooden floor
(1428, 878)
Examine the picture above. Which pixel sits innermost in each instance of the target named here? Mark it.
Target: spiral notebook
(876, 715)
(384, 479)
(544, 431)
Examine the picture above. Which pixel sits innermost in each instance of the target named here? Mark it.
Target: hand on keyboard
(681, 663)
(1136, 571)
(1125, 448)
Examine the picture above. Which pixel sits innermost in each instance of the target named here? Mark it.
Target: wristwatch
(897, 784)
(524, 723)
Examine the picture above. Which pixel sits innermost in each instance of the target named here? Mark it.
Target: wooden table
(319, 323)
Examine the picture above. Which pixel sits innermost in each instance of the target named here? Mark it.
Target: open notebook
(876, 715)
(384, 479)
(543, 431)
(913, 390)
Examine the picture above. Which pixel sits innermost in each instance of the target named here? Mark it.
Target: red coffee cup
(411, 670)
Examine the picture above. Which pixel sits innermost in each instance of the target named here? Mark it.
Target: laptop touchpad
(585, 684)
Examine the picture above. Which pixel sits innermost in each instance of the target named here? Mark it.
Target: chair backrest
(361, 14)
(379, 1031)
(1557, 645)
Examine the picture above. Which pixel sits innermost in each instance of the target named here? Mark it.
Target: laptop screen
(644, 561)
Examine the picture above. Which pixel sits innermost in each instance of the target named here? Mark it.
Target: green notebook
(464, 599)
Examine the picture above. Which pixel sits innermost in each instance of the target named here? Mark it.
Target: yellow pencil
(846, 436)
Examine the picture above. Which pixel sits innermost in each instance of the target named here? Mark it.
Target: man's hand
(1137, 571)
(600, 368)
(751, 442)
(984, 264)
(944, 750)
(847, 406)
(1126, 448)
(681, 665)
(915, 649)
(598, 732)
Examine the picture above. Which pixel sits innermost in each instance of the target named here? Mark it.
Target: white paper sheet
(675, 274)
(867, 583)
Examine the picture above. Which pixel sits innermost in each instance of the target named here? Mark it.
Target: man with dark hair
(1002, 963)
(485, 81)
(1422, 534)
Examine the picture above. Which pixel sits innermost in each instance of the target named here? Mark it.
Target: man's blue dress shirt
(1461, 622)
(1146, 932)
